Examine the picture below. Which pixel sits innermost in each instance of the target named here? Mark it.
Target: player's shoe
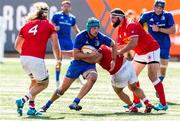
(159, 106)
(33, 112)
(148, 108)
(43, 109)
(20, 106)
(133, 110)
(75, 106)
(138, 105)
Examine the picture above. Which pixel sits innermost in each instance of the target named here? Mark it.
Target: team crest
(162, 18)
(97, 43)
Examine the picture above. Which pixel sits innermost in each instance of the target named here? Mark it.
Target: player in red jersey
(123, 75)
(31, 44)
(133, 36)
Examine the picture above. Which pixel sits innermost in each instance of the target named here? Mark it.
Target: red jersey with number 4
(107, 58)
(36, 34)
(131, 29)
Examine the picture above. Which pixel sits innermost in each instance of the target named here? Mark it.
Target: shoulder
(100, 34)
(58, 13)
(81, 34)
(131, 23)
(166, 13)
(71, 15)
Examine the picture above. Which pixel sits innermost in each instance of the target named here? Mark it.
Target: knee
(59, 92)
(92, 78)
(133, 88)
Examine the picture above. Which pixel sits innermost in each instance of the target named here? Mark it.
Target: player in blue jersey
(90, 36)
(64, 21)
(160, 25)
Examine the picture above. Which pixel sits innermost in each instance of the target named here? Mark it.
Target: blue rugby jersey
(65, 22)
(165, 20)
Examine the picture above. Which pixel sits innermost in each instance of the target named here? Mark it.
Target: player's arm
(171, 30)
(132, 43)
(114, 50)
(76, 29)
(18, 43)
(94, 60)
(142, 19)
(78, 55)
(114, 55)
(55, 47)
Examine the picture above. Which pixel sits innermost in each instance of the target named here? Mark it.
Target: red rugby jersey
(107, 58)
(36, 34)
(131, 29)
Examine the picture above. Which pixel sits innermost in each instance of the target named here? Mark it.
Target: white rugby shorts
(126, 75)
(151, 57)
(34, 67)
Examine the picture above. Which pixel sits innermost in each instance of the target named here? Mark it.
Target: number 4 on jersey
(33, 30)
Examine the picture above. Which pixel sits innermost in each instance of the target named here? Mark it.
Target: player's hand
(155, 28)
(94, 54)
(113, 63)
(58, 65)
(119, 53)
(57, 28)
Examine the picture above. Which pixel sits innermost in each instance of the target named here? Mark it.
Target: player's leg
(163, 68)
(20, 102)
(125, 98)
(140, 94)
(153, 70)
(35, 90)
(91, 77)
(72, 73)
(58, 93)
(58, 72)
(139, 65)
(120, 80)
(164, 55)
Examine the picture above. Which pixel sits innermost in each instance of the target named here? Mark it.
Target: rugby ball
(87, 49)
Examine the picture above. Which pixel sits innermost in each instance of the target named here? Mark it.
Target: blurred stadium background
(101, 103)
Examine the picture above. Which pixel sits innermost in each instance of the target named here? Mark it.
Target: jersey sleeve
(132, 31)
(21, 34)
(78, 42)
(143, 19)
(52, 28)
(106, 40)
(170, 20)
(54, 19)
(73, 21)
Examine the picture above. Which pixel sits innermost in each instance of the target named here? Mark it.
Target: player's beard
(116, 23)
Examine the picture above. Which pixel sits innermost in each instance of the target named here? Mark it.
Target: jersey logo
(97, 43)
(87, 42)
(70, 19)
(162, 18)
(151, 20)
(62, 17)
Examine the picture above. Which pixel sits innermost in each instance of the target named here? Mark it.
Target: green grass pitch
(101, 103)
